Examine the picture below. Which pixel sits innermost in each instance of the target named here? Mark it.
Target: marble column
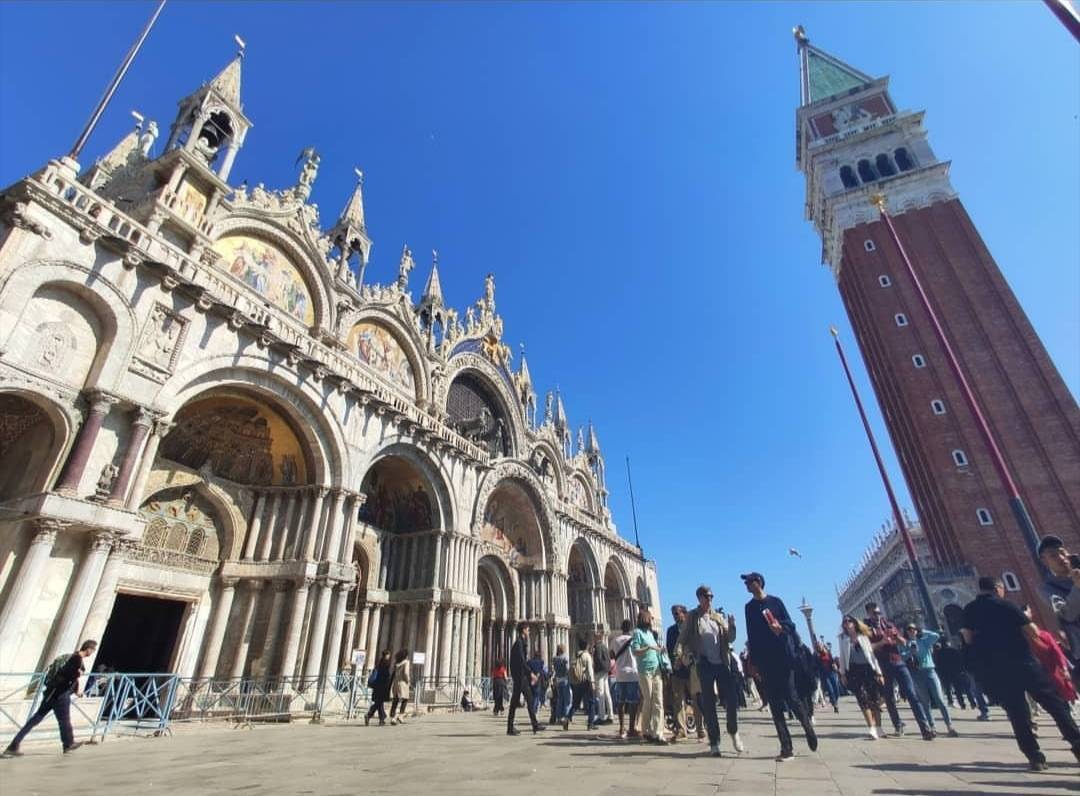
(215, 636)
(296, 626)
(337, 625)
(267, 536)
(100, 404)
(446, 632)
(470, 660)
(158, 430)
(140, 427)
(312, 534)
(384, 559)
(254, 526)
(436, 576)
(26, 589)
(344, 553)
(320, 616)
(429, 639)
(373, 635)
(245, 629)
(334, 525)
(393, 638)
(273, 631)
(295, 498)
(360, 640)
(80, 595)
(101, 605)
(412, 629)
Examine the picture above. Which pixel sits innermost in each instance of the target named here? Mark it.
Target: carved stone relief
(160, 343)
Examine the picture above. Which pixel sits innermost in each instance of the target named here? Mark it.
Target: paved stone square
(470, 754)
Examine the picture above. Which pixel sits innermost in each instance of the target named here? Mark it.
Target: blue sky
(627, 172)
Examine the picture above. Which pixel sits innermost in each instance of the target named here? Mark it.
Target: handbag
(665, 662)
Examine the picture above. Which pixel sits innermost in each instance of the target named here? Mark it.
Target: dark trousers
(522, 689)
(901, 675)
(1009, 687)
(54, 702)
(499, 692)
(395, 703)
(717, 683)
(582, 696)
(780, 693)
(380, 706)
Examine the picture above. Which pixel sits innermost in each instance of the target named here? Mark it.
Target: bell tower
(854, 144)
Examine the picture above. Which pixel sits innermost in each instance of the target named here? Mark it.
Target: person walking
(1063, 586)
(885, 639)
(861, 673)
(61, 681)
(1001, 637)
(646, 650)
(706, 638)
(540, 680)
(830, 682)
(627, 691)
(560, 678)
(399, 686)
(919, 650)
(581, 677)
(601, 656)
(948, 662)
(379, 682)
(524, 681)
(771, 640)
(498, 686)
(682, 669)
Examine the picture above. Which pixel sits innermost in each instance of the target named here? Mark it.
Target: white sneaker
(813, 723)
(714, 749)
(736, 742)
(873, 734)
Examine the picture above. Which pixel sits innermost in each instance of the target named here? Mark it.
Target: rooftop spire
(227, 82)
(592, 445)
(353, 214)
(820, 74)
(433, 289)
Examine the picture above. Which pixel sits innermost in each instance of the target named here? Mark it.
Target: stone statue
(148, 137)
(404, 267)
(308, 171)
(489, 291)
(549, 402)
(106, 481)
(580, 439)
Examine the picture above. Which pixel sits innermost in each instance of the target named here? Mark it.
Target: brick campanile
(852, 143)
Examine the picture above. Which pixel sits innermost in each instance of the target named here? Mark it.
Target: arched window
(960, 458)
(984, 517)
(903, 159)
(937, 406)
(1012, 583)
(901, 319)
(847, 176)
(884, 280)
(869, 245)
(884, 166)
(866, 171)
(918, 360)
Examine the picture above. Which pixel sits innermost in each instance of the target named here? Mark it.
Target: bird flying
(793, 552)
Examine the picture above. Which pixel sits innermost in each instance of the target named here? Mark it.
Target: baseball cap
(749, 576)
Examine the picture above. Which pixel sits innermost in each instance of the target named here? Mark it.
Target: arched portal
(643, 596)
(616, 594)
(30, 443)
(477, 413)
(583, 591)
(497, 602)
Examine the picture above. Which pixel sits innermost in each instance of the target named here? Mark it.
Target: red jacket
(1049, 654)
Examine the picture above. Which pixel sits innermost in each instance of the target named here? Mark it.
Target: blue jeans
(929, 687)
(563, 691)
(583, 693)
(830, 682)
(58, 702)
(900, 674)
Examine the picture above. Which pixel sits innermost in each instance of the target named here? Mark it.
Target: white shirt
(625, 665)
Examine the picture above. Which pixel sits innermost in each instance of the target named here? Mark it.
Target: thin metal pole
(1067, 14)
(1016, 502)
(898, 516)
(633, 510)
(114, 84)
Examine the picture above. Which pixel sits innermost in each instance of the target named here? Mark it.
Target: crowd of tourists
(663, 691)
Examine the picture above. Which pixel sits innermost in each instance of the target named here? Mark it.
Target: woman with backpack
(399, 686)
(581, 687)
(379, 683)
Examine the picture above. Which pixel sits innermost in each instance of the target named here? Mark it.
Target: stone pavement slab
(469, 754)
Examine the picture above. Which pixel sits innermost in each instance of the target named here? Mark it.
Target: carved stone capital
(88, 235)
(320, 491)
(47, 529)
(102, 541)
(282, 586)
(229, 583)
(161, 427)
(304, 583)
(132, 259)
(100, 402)
(169, 282)
(256, 585)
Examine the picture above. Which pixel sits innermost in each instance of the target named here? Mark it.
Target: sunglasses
(708, 595)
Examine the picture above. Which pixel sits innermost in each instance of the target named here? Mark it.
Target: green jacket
(689, 646)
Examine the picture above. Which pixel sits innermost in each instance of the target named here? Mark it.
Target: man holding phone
(771, 640)
(1063, 587)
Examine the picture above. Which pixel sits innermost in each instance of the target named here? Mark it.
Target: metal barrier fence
(149, 703)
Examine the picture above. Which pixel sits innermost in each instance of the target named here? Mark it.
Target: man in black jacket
(523, 680)
(59, 685)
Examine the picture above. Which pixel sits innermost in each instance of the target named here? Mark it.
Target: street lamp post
(807, 611)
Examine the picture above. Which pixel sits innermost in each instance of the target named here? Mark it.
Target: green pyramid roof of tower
(828, 76)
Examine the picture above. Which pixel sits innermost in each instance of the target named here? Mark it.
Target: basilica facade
(224, 454)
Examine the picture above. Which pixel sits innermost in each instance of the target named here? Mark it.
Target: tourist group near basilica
(223, 453)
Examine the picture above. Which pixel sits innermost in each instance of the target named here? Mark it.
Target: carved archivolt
(515, 470)
(469, 362)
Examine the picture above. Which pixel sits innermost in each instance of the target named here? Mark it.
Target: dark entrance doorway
(141, 634)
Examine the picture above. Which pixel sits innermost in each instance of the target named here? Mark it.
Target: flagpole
(898, 515)
(76, 150)
(1066, 14)
(633, 510)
